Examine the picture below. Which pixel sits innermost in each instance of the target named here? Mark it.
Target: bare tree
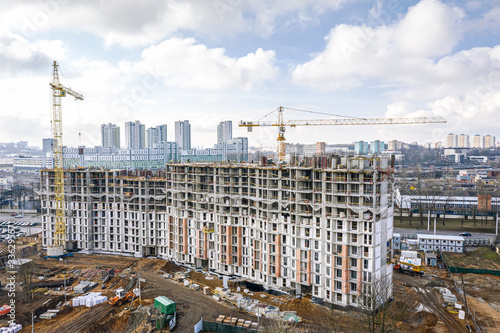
(483, 200)
(380, 313)
(25, 274)
(336, 321)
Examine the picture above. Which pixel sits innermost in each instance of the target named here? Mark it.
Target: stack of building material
(13, 328)
(84, 286)
(89, 300)
(48, 315)
(450, 299)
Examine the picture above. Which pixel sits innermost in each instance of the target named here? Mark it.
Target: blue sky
(214, 60)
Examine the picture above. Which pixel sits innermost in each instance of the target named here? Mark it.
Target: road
(431, 300)
(414, 232)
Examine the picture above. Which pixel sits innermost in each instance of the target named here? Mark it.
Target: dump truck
(121, 297)
(408, 268)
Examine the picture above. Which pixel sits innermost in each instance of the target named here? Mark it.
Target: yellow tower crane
(281, 124)
(58, 246)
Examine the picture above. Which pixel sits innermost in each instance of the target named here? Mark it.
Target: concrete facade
(321, 229)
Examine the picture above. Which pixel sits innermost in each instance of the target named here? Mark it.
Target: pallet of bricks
(236, 322)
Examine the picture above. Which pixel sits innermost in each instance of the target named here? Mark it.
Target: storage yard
(423, 294)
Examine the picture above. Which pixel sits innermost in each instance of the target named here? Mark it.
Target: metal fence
(210, 326)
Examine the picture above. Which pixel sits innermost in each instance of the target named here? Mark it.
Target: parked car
(19, 216)
(465, 234)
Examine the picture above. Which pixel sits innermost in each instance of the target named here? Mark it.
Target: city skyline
(355, 58)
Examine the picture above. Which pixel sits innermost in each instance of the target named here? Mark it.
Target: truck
(408, 268)
(121, 297)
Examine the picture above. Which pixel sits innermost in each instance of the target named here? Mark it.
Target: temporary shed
(165, 305)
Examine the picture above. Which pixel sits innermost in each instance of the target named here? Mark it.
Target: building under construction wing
(322, 226)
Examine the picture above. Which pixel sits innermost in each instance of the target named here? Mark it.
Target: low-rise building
(443, 243)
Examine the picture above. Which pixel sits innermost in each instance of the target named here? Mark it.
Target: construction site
(321, 229)
(226, 247)
(66, 296)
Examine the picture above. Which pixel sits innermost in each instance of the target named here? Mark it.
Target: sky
(208, 61)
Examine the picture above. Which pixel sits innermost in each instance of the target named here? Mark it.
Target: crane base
(55, 251)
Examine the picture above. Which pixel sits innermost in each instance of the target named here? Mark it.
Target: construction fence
(453, 269)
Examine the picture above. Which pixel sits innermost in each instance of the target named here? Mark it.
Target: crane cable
(324, 113)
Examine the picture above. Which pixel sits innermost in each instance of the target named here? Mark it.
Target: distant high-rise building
(135, 135)
(394, 145)
(361, 147)
(48, 146)
(451, 141)
(489, 141)
(478, 141)
(320, 148)
(377, 146)
(224, 131)
(463, 141)
(156, 135)
(110, 135)
(183, 134)
(241, 153)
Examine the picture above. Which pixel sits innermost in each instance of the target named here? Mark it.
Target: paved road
(447, 232)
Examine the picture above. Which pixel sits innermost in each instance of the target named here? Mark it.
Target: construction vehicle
(282, 124)
(121, 297)
(408, 268)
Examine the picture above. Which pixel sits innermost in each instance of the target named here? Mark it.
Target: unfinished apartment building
(321, 227)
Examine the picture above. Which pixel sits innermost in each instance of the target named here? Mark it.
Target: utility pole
(64, 287)
(465, 295)
(428, 219)
(435, 223)
(496, 228)
(32, 323)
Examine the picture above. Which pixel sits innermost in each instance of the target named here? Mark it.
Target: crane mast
(58, 245)
(281, 124)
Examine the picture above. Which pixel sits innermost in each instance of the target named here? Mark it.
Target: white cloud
(129, 23)
(184, 63)
(477, 110)
(19, 54)
(399, 53)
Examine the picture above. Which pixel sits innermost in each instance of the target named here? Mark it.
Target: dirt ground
(425, 313)
(191, 305)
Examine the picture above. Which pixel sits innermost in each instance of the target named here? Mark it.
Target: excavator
(408, 268)
(121, 297)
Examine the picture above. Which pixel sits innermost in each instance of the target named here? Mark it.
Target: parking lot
(19, 225)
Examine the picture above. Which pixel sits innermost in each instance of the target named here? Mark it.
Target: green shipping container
(165, 305)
